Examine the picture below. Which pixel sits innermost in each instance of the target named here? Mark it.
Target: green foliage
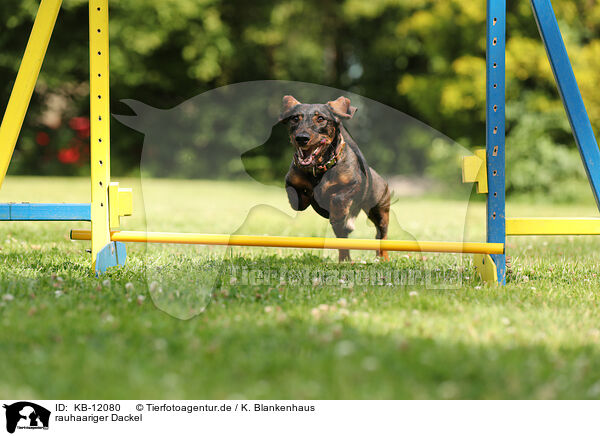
(424, 57)
(538, 160)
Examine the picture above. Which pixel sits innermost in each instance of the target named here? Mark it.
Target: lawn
(196, 322)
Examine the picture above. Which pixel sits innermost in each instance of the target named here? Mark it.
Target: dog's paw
(293, 198)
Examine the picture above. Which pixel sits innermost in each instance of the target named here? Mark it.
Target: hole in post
(99, 97)
(101, 204)
(494, 41)
(98, 30)
(495, 107)
(495, 152)
(101, 53)
(495, 129)
(494, 21)
(495, 172)
(99, 75)
(100, 162)
(495, 65)
(99, 139)
(494, 215)
(99, 118)
(495, 85)
(100, 183)
(495, 194)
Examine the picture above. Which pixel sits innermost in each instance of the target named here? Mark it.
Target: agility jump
(486, 168)
(296, 242)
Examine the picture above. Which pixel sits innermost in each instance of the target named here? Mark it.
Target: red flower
(84, 133)
(69, 155)
(42, 139)
(79, 123)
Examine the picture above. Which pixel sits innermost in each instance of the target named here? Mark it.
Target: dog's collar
(322, 168)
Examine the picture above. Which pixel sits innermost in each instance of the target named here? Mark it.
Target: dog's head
(313, 127)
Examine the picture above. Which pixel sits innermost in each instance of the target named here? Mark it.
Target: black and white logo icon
(26, 415)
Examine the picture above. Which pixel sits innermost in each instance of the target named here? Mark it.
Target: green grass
(68, 334)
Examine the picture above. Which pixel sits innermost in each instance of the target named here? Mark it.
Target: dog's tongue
(307, 160)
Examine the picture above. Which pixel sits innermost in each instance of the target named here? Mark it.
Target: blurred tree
(423, 57)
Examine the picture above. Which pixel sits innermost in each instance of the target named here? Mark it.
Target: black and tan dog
(329, 172)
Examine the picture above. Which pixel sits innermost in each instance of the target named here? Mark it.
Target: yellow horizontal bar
(297, 242)
(552, 226)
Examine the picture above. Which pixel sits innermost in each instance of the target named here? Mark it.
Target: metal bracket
(474, 170)
(486, 268)
(113, 254)
(120, 203)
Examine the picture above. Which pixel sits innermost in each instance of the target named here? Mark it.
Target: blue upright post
(495, 98)
(569, 92)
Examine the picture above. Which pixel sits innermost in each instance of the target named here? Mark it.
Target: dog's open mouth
(307, 157)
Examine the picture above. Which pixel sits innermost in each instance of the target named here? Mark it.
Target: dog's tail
(394, 198)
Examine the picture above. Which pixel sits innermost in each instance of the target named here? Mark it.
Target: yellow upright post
(100, 127)
(25, 81)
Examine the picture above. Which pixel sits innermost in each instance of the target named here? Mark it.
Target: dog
(329, 172)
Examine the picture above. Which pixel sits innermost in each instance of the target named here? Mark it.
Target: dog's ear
(341, 107)
(289, 103)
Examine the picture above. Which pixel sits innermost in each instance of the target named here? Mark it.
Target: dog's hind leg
(380, 216)
(341, 220)
(342, 229)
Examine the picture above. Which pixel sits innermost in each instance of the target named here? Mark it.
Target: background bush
(423, 57)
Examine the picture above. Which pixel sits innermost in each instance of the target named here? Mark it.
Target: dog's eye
(320, 119)
(295, 118)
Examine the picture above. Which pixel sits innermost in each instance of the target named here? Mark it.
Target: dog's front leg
(342, 230)
(340, 219)
(297, 196)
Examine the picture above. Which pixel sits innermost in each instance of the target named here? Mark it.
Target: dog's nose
(302, 139)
